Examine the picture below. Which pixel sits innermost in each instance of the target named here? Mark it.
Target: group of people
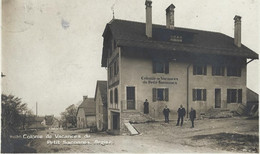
(181, 113)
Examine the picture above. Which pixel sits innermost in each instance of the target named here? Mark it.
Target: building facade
(171, 66)
(86, 113)
(101, 105)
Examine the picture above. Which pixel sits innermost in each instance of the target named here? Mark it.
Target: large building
(169, 65)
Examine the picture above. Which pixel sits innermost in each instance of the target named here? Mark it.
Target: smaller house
(34, 122)
(101, 105)
(86, 113)
(51, 121)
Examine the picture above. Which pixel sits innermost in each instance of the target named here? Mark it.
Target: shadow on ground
(232, 141)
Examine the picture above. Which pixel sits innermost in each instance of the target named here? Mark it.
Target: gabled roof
(102, 86)
(132, 34)
(89, 106)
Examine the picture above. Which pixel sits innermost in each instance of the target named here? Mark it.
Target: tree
(69, 116)
(13, 111)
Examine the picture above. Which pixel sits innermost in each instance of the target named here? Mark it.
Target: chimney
(170, 17)
(148, 29)
(237, 31)
(85, 97)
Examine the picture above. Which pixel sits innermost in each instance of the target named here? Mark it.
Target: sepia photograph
(130, 76)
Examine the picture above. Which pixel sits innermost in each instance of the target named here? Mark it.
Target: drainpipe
(188, 90)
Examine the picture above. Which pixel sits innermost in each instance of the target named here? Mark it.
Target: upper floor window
(233, 71)
(110, 72)
(234, 95)
(111, 96)
(116, 68)
(218, 70)
(116, 95)
(199, 94)
(161, 67)
(200, 69)
(160, 94)
(114, 44)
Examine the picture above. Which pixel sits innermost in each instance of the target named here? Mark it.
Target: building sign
(159, 80)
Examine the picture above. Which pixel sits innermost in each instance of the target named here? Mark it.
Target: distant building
(171, 66)
(35, 122)
(51, 122)
(101, 105)
(86, 113)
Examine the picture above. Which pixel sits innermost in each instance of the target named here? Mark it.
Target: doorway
(130, 91)
(116, 121)
(217, 98)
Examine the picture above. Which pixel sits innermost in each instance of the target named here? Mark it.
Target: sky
(51, 49)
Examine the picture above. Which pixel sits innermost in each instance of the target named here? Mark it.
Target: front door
(130, 98)
(217, 98)
(116, 121)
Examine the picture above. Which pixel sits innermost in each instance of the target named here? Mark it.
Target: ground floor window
(199, 94)
(160, 94)
(234, 95)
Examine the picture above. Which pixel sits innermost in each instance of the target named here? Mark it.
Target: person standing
(146, 107)
(181, 114)
(166, 112)
(192, 117)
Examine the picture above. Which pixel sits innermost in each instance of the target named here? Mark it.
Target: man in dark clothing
(192, 117)
(146, 107)
(181, 114)
(166, 112)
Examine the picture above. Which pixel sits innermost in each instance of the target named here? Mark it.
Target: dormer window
(176, 38)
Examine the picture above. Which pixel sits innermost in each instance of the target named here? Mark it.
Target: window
(233, 71)
(218, 70)
(116, 95)
(160, 94)
(114, 44)
(110, 72)
(234, 95)
(199, 94)
(161, 67)
(111, 96)
(199, 69)
(116, 68)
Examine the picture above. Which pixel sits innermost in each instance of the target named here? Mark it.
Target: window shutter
(228, 95)
(154, 67)
(194, 94)
(204, 95)
(222, 70)
(167, 94)
(167, 67)
(213, 70)
(205, 69)
(239, 71)
(239, 95)
(154, 94)
(194, 70)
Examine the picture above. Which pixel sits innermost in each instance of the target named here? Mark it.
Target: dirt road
(209, 135)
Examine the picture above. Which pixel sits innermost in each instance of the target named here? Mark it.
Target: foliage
(69, 116)
(13, 118)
